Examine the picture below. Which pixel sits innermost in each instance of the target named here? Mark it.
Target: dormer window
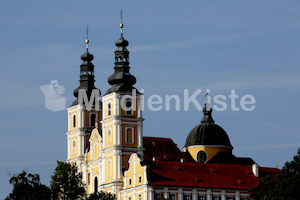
(201, 156)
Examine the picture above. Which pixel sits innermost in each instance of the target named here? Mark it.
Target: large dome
(208, 133)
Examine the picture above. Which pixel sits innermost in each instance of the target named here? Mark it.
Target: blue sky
(250, 46)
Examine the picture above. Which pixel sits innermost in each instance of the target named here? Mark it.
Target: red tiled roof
(226, 176)
(163, 149)
(166, 169)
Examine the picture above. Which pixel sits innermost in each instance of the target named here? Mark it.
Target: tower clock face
(201, 157)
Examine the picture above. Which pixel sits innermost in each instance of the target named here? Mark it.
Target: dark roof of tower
(207, 132)
(121, 80)
(87, 78)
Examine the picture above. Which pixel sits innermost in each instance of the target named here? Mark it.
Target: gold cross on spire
(121, 25)
(87, 37)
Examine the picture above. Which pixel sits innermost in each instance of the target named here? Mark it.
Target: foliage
(101, 196)
(284, 185)
(28, 186)
(66, 182)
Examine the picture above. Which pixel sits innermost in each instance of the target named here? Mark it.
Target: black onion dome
(87, 56)
(121, 42)
(208, 133)
(121, 80)
(87, 78)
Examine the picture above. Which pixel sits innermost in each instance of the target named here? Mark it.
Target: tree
(101, 196)
(284, 185)
(66, 182)
(28, 186)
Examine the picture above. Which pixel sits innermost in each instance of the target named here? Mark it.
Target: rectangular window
(172, 196)
(201, 197)
(128, 107)
(216, 198)
(187, 197)
(129, 135)
(93, 120)
(229, 198)
(109, 109)
(74, 121)
(158, 196)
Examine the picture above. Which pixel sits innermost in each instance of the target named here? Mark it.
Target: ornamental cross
(87, 31)
(121, 15)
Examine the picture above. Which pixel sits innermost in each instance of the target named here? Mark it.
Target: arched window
(129, 135)
(93, 119)
(109, 169)
(89, 178)
(128, 107)
(74, 147)
(96, 184)
(109, 109)
(74, 121)
(129, 181)
(95, 151)
(109, 136)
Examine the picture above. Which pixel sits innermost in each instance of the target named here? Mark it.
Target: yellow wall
(210, 151)
(109, 139)
(134, 175)
(135, 171)
(73, 149)
(109, 169)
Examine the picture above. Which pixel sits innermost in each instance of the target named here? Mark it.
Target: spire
(121, 24)
(87, 37)
(87, 78)
(121, 80)
(207, 118)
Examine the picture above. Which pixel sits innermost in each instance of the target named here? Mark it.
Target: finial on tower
(207, 100)
(121, 25)
(87, 37)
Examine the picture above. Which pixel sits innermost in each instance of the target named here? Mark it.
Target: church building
(109, 147)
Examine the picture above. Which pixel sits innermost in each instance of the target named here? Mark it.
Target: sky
(252, 47)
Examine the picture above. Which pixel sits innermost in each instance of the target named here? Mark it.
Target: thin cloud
(267, 147)
(287, 81)
(211, 39)
(19, 95)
